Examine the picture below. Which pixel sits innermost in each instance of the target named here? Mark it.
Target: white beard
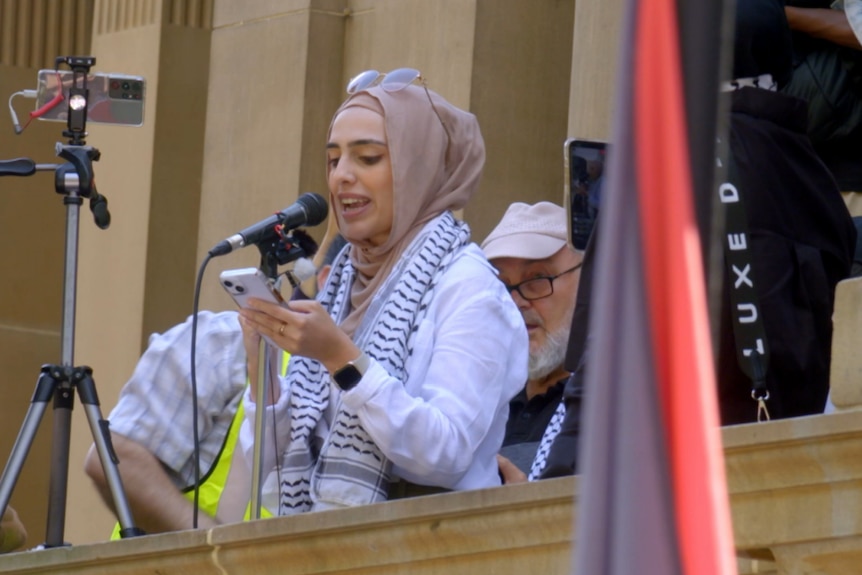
(551, 355)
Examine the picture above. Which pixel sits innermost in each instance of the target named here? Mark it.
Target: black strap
(752, 349)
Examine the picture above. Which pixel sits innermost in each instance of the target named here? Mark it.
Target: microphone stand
(272, 253)
(73, 180)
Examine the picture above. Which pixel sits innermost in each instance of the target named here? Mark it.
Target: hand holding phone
(242, 284)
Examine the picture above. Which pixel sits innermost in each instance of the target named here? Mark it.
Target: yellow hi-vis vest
(213, 484)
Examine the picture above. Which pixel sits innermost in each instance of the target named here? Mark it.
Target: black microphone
(309, 210)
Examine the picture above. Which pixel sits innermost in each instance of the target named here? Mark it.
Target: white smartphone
(584, 163)
(242, 284)
(246, 283)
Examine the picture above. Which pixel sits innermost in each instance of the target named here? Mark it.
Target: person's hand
(509, 471)
(12, 532)
(303, 328)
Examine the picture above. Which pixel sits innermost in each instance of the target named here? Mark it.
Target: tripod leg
(64, 400)
(41, 397)
(107, 456)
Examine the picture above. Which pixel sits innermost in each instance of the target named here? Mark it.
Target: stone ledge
(795, 489)
(845, 372)
(513, 529)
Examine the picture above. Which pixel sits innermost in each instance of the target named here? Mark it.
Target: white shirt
(445, 424)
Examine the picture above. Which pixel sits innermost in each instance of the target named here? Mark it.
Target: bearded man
(540, 269)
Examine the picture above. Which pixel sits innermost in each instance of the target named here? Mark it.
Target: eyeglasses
(540, 287)
(395, 81)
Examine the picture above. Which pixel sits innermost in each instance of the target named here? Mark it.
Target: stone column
(595, 51)
(275, 80)
(521, 60)
(137, 276)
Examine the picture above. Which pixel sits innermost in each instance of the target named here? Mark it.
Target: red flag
(653, 496)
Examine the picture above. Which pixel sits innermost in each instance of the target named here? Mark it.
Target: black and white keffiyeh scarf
(540, 461)
(350, 469)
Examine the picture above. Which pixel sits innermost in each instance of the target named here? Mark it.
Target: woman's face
(359, 174)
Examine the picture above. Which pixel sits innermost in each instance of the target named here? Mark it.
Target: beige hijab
(429, 176)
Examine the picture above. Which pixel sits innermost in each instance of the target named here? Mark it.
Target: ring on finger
(281, 329)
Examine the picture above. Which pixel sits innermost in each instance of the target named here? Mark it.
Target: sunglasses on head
(394, 81)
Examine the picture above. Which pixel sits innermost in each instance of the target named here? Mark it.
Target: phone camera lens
(126, 86)
(240, 289)
(228, 283)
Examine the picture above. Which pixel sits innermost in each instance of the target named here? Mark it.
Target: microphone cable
(196, 456)
(196, 453)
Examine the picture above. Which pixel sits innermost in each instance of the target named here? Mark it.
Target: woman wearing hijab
(403, 367)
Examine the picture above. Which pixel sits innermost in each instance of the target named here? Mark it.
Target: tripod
(73, 180)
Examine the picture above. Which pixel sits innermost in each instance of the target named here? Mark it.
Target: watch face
(347, 377)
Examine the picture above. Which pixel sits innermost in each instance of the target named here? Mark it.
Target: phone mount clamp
(282, 249)
(74, 180)
(79, 95)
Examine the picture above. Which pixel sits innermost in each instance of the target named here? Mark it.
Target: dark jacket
(802, 242)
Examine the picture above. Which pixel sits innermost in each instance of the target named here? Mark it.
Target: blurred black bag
(829, 78)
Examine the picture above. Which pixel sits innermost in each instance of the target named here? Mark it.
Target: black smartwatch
(348, 376)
